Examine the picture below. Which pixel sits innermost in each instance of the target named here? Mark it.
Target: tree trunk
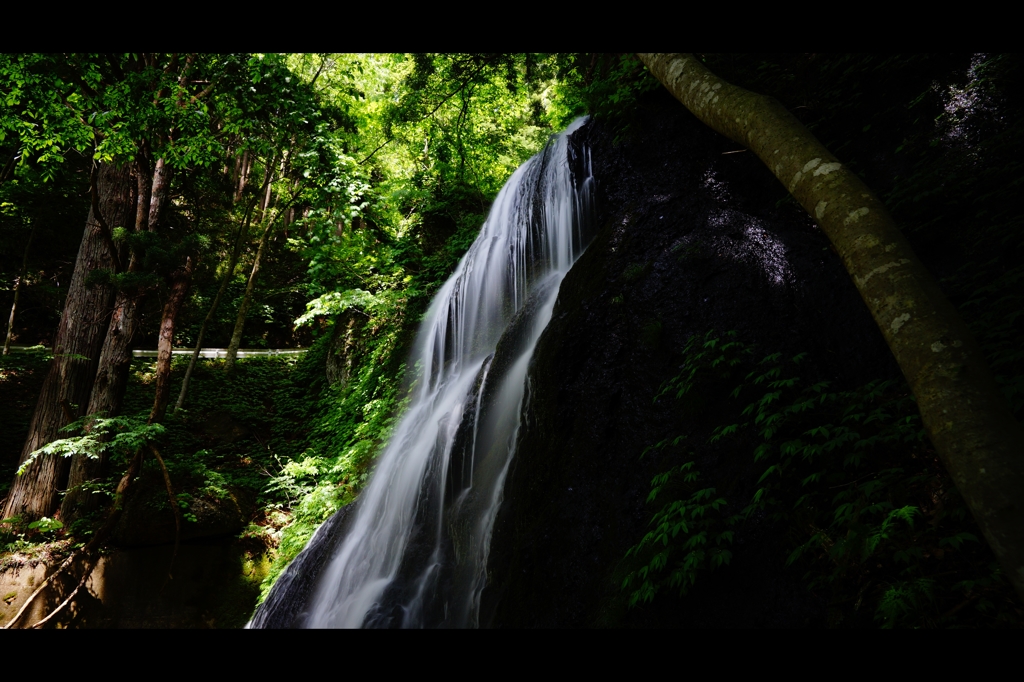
(228, 274)
(106, 399)
(76, 352)
(17, 291)
(243, 176)
(267, 217)
(243, 309)
(161, 184)
(143, 194)
(180, 281)
(965, 414)
(115, 358)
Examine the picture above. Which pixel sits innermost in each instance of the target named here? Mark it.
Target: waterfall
(415, 550)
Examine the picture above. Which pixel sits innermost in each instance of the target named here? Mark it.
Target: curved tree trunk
(76, 350)
(965, 414)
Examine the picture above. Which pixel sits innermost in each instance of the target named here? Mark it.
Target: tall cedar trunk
(80, 335)
(115, 358)
(161, 184)
(180, 280)
(107, 397)
(965, 414)
(228, 275)
(17, 291)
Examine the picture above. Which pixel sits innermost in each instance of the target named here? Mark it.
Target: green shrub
(873, 517)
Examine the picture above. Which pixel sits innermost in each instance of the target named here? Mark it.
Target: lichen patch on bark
(899, 322)
(861, 281)
(856, 215)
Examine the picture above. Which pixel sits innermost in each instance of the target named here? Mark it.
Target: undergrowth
(272, 436)
(875, 523)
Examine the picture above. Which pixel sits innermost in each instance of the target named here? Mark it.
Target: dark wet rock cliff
(691, 236)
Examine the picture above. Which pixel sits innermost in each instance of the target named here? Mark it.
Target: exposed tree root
(42, 585)
(85, 577)
(174, 507)
(91, 548)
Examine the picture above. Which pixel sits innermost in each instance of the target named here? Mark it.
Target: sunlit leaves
(118, 435)
(336, 302)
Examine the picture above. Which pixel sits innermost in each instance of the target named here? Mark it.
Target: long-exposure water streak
(415, 553)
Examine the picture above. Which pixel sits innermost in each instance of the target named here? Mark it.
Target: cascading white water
(415, 554)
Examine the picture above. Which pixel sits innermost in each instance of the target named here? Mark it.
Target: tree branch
(433, 111)
(323, 63)
(375, 151)
(205, 91)
(185, 69)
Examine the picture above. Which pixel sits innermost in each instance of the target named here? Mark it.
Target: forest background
(318, 201)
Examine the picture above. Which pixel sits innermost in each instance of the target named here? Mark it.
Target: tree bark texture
(76, 350)
(245, 165)
(180, 280)
(107, 396)
(158, 199)
(115, 357)
(964, 413)
(143, 194)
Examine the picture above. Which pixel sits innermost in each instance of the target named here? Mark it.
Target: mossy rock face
(287, 604)
(149, 520)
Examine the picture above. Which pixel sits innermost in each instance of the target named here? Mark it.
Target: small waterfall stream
(415, 550)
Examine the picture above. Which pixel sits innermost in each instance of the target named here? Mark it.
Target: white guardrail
(223, 352)
(203, 353)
